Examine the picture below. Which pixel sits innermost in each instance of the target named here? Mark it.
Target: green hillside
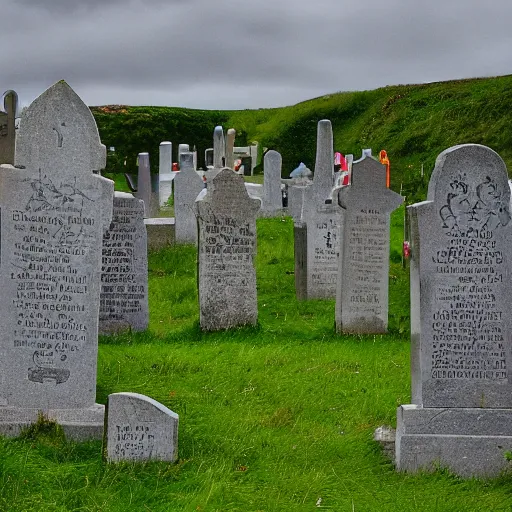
(414, 123)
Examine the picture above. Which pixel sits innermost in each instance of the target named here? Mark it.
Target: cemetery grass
(278, 417)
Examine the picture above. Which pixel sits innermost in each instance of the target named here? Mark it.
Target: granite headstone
(124, 272)
(166, 176)
(230, 144)
(227, 246)
(362, 285)
(272, 203)
(54, 214)
(461, 257)
(138, 429)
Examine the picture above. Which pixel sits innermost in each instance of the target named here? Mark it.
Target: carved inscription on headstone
(461, 242)
(362, 296)
(124, 278)
(139, 428)
(54, 213)
(227, 246)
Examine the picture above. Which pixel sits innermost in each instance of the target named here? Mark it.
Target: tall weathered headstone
(187, 186)
(54, 214)
(124, 272)
(227, 246)
(139, 429)
(182, 148)
(187, 161)
(230, 144)
(144, 183)
(272, 203)
(317, 233)
(165, 173)
(461, 241)
(363, 277)
(7, 127)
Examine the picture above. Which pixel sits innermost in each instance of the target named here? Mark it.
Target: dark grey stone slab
(227, 246)
(139, 429)
(54, 214)
(7, 127)
(363, 277)
(124, 272)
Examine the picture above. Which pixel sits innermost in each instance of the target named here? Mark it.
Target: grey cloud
(232, 54)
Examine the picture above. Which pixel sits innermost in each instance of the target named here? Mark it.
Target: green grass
(414, 123)
(273, 418)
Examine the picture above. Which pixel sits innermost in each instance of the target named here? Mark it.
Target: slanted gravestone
(461, 256)
(54, 214)
(362, 286)
(124, 271)
(7, 127)
(227, 245)
(166, 176)
(317, 244)
(139, 429)
(187, 186)
(272, 203)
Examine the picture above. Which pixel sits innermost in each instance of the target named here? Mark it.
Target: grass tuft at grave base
(278, 417)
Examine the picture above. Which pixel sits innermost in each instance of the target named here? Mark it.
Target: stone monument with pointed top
(54, 214)
(461, 255)
(227, 246)
(363, 277)
(317, 233)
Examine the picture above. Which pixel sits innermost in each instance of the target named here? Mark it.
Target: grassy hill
(414, 123)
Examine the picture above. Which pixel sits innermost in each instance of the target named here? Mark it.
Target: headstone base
(161, 232)
(468, 442)
(78, 424)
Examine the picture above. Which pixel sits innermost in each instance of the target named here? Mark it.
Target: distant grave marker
(7, 127)
(227, 245)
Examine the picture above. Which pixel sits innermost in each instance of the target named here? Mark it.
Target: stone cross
(7, 127)
(227, 246)
(165, 172)
(139, 429)
(124, 271)
(317, 233)
(272, 203)
(461, 329)
(187, 186)
(230, 144)
(362, 286)
(54, 214)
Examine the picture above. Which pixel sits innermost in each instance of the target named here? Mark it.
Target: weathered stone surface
(187, 161)
(461, 354)
(469, 442)
(182, 148)
(187, 186)
(144, 183)
(227, 246)
(165, 172)
(7, 127)
(138, 429)
(219, 148)
(124, 278)
(161, 232)
(272, 203)
(322, 218)
(54, 214)
(297, 195)
(230, 144)
(363, 276)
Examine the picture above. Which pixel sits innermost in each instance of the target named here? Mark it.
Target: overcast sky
(222, 54)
